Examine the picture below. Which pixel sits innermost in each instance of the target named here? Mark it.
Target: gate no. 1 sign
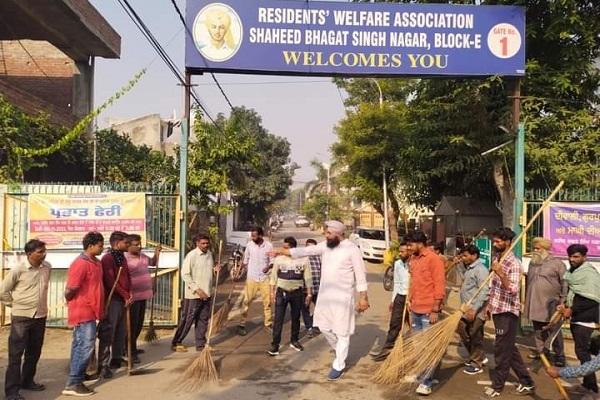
(353, 39)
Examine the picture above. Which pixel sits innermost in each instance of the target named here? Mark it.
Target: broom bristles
(219, 320)
(151, 336)
(200, 372)
(419, 354)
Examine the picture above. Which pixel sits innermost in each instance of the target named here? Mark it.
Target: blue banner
(353, 39)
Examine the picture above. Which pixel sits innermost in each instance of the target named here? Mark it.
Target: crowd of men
(98, 293)
(329, 275)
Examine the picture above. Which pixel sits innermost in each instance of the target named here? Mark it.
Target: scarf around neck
(584, 281)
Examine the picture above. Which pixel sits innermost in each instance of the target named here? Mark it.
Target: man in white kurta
(342, 275)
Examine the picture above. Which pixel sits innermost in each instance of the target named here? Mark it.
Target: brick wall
(45, 75)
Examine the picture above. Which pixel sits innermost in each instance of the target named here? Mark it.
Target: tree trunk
(393, 218)
(506, 192)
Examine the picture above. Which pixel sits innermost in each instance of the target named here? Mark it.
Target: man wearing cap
(546, 290)
(342, 273)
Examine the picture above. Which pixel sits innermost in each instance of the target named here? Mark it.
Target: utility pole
(183, 153)
(519, 189)
(386, 222)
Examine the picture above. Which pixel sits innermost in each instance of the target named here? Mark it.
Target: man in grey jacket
(197, 276)
(471, 324)
(546, 290)
(25, 290)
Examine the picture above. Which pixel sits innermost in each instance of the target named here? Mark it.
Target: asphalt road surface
(247, 372)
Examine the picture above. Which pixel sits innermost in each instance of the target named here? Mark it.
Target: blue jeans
(84, 339)
(420, 322)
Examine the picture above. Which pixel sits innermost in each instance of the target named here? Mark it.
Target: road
(247, 372)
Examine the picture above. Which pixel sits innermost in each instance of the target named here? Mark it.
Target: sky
(302, 109)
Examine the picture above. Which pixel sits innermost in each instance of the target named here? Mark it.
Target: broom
(202, 370)
(412, 360)
(92, 367)
(222, 315)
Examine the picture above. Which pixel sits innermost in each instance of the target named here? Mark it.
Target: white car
(301, 222)
(371, 242)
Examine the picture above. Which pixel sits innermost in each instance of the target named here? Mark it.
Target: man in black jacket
(583, 306)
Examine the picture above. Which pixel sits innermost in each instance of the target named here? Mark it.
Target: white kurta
(342, 275)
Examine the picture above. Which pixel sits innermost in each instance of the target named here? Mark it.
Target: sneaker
(310, 333)
(334, 374)
(473, 369)
(79, 390)
(241, 330)
(179, 348)
(525, 390)
(490, 393)
(91, 379)
(273, 351)
(423, 390)
(485, 361)
(297, 346)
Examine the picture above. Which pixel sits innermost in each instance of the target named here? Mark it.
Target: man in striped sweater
(141, 288)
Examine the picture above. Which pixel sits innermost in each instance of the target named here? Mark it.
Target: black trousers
(282, 298)
(542, 335)
(582, 336)
(26, 337)
(194, 312)
(506, 353)
(471, 334)
(395, 321)
(306, 315)
(138, 314)
(111, 334)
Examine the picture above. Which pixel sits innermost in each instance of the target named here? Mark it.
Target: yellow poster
(61, 220)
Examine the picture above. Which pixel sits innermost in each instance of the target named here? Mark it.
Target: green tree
(241, 156)
(120, 160)
(20, 130)
(320, 207)
(448, 123)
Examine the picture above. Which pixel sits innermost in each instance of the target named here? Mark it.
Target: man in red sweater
(111, 330)
(426, 292)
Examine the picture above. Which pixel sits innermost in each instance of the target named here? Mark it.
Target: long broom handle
(559, 386)
(539, 212)
(214, 300)
(112, 290)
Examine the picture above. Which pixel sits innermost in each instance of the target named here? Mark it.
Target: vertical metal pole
(183, 153)
(386, 224)
(519, 164)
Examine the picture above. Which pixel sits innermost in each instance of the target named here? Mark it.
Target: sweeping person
(504, 306)
(141, 288)
(84, 293)
(315, 271)
(289, 278)
(257, 262)
(582, 306)
(25, 291)
(546, 290)
(426, 293)
(470, 327)
(342, 273)
(396, 307)
(197, 275)
(111, 330)
(587, 368)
